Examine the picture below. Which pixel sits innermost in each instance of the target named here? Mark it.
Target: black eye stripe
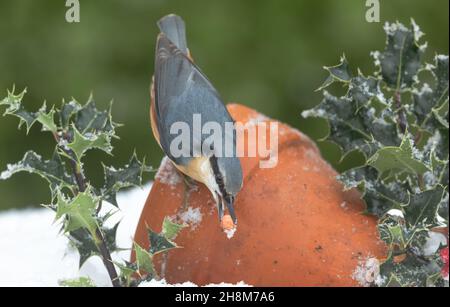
(218, 175)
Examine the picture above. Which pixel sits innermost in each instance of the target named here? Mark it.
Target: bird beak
(229, 202)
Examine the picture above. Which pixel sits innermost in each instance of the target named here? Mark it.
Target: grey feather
(181, 90)
(175, 30)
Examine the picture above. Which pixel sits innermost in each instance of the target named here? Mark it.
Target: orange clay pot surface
(296, 226)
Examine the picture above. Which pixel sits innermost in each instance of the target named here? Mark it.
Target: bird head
(227, 182)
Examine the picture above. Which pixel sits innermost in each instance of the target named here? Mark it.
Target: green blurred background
(266, 54)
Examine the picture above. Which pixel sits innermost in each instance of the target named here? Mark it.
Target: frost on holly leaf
(430, 105)
(355, 123)
(117, 179)
(380, 196)
(14, 105)
(400, 124)
(423, 207)
(338, 73)
(401, 60)
(53, 170)
(77, 129)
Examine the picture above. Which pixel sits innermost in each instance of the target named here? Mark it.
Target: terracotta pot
(296, 226)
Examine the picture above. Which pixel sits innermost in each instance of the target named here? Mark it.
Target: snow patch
(12, 169)
(433, 243)
(368, 272)
(230, 232)
(191, 216)
(163, 283)
(395, 212)
(442, 57)
(38, 255)
(167, 173)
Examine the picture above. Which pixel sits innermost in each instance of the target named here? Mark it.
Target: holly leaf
(82, 143)
(47, 119)
(159, 242)
(378, 195)
(67, 111)
(398, 160)
(82, 240)
(89, 120)
(354, 123)
(363, 89)
(337, 73)
(393, 235)
(423, 208)
(144, 260)
(80, 212)
(401, 59)
(15, 107)
(127, 270)
(117, 179)
(430, 105)
(170, 229)
(53, 171)
(411, 272)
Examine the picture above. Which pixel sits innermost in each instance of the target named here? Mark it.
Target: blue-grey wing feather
(181, 90)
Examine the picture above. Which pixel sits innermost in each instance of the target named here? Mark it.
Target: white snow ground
(33, 253)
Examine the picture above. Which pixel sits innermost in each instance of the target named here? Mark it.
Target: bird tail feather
(175, 30)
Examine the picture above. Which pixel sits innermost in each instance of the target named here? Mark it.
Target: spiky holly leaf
(47, 119)
(171, 229)
(54, 170)
(81, 282)
(354, 122)
(159, 242)
(84, 142)
(430, 105)
(85, 244)
(89, 120)
(397, 174)
(411, 272)
(79, 212)
(67, 111)
(127, 270)
(363, 89)
(401, 59)
(393, 234)
(398, 160)
(144, 260)
(15, 107)
(423, 208)
(337, 73)
(117, 179)
(378, 195)
(400, 236)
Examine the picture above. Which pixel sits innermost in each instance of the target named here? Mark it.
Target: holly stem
(100, 241)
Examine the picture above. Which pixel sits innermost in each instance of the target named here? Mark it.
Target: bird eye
(219, 179)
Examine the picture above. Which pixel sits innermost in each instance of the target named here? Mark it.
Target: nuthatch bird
(180, 90)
